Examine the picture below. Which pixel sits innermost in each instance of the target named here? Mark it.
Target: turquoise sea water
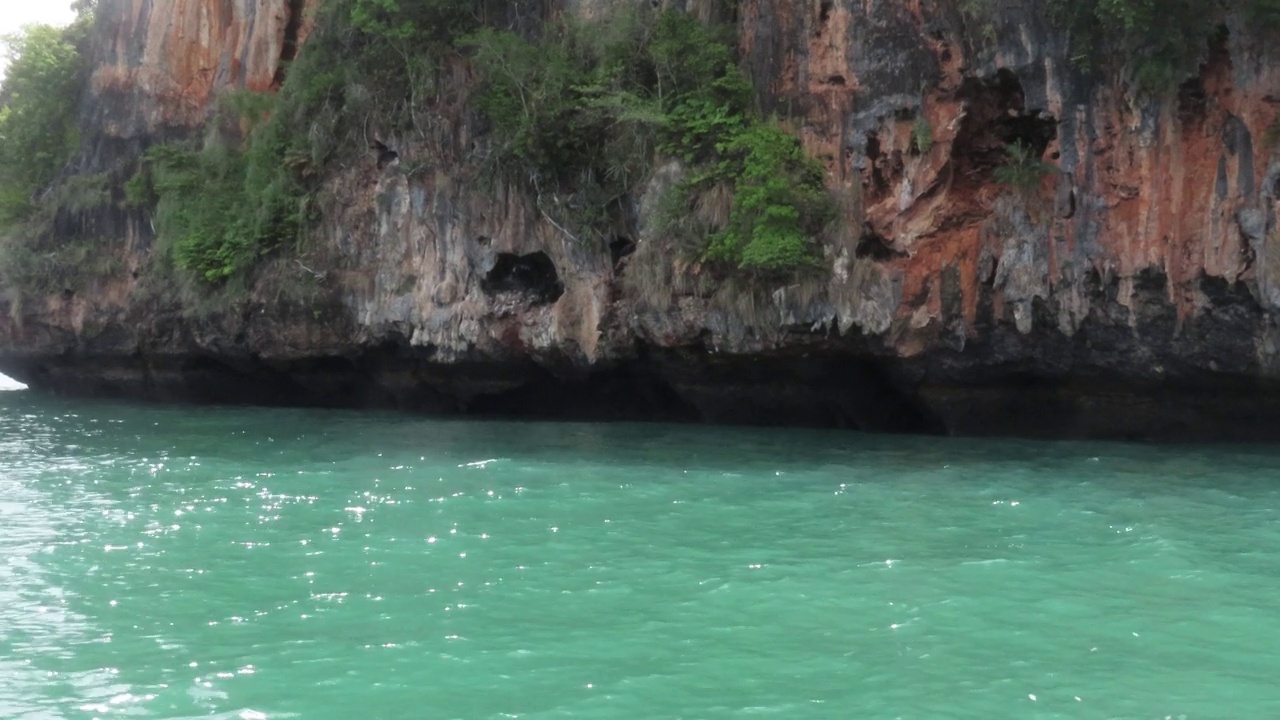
(160, 562)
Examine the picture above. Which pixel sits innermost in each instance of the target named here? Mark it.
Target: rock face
(159, 66)
(1135, 293)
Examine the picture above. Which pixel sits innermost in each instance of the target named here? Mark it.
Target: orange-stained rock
(160, 64)
(1157, 185)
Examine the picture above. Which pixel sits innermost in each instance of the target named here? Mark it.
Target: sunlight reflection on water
(259, 564)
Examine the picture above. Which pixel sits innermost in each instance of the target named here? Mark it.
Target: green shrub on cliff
(414, 21)
(201, 211)
(39, 137)
(572, 115)
(921, 135)
(1022, 171)
(1162, 43)
(218, 208)
(779, 203)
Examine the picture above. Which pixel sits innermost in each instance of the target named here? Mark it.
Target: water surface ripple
(252, 564)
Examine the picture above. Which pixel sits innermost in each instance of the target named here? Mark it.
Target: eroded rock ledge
(1153, 379)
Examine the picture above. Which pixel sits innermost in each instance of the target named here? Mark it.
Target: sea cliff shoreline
(1013, 244)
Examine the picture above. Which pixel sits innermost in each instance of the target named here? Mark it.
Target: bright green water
(249, 564)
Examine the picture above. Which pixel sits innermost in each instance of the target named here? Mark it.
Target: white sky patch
(16, 13)
(8, 383)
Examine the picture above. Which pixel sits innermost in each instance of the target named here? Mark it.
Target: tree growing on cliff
(1022, 171)
(38, 99)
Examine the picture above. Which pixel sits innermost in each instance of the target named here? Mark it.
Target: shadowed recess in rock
(533, 275)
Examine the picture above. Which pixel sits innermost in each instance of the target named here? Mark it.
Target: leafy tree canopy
(38, 99)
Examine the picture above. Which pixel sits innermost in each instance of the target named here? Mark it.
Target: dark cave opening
(879, 183)
(620, 247)
(875, 246)
(533, 275)
(997, 119)
(292, 32)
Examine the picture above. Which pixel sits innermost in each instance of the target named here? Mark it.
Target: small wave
(480, 463)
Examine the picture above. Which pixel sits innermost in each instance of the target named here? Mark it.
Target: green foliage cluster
(39, 137)
(38, 98)
(378, 67)
(44, 270)
(206, 214)
(579, 112)
(418, 21)
(922, 135)
(251, 187)
(980, 16)
(1160, 42)
(779, 202)
(1022, 170)
(218, 208)
(560, 123)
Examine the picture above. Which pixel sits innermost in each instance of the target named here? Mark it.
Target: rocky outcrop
(1134, 293)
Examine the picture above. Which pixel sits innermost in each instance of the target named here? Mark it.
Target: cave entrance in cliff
(620, 247)
(533, 275)
(998, 118)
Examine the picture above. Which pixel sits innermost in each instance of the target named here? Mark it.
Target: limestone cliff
(1135, 293)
